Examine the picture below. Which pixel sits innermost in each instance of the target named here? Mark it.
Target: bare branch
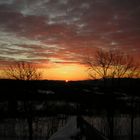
(23, 71)
(113, 64)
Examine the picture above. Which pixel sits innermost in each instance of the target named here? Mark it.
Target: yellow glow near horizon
(66, 81)
(66, 72)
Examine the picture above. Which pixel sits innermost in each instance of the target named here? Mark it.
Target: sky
(57, 35)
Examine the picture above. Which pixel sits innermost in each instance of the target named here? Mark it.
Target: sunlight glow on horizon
(60, 71)
(66, 72)
(66, 81)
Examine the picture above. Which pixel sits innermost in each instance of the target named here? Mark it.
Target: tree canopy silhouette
(112, 64)
(22, 71)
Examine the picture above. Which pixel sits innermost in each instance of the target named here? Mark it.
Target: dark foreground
(35, 110)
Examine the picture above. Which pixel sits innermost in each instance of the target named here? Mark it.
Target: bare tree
(99, 65)
(111, 64)
(123, 65)
(22, 71)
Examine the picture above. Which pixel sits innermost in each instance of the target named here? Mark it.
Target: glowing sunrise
(57, 35)
(69, 69)
(67, 72)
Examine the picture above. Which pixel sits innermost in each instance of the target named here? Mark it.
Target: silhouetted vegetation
(21, 70)
(112, 64)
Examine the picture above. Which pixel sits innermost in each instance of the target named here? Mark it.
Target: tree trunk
(30, 127)
(132, 118)
(111, 125)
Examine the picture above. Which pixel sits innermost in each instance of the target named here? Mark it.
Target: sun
(66, 81)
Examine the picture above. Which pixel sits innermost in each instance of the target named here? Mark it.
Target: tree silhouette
(111, 64)
(22, 71)
(100, 64)
(123, 65)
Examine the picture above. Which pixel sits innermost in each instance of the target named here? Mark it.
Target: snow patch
(68, 131)
(46, 91)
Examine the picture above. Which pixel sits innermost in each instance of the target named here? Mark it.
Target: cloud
(17, 48)
(67, 30)
(6, 1)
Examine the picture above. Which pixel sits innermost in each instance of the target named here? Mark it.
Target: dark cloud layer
(67, 30)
